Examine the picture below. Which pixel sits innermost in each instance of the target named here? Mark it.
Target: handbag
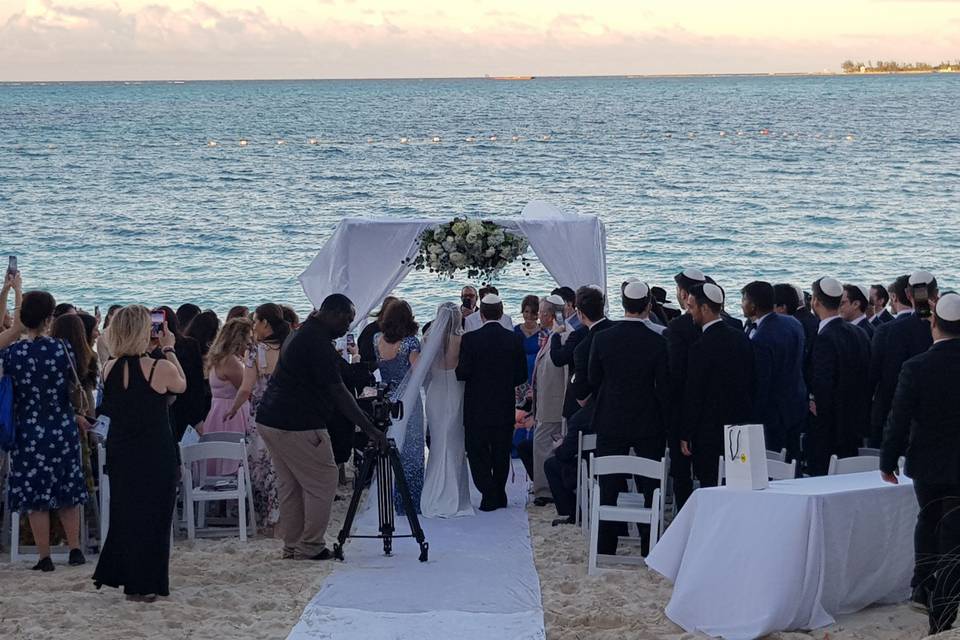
(78, 396)
(8, 428)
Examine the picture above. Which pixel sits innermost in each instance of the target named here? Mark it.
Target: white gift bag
(745, 456)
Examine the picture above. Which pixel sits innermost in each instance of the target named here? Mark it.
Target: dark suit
(719, 391)
(580, 382)
(562, 467)
(881, 318)
(780, 401)
(561, 354)
(343, 438)
(681, 333)
(810, 326)
(893, 344)
(492, 364)
(838, 381)
(865, 325)
(731, 321)
(629, 368)
(924, 423)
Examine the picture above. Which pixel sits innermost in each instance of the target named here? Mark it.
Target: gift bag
(745, 456)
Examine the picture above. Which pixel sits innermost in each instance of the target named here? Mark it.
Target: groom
(492, 364)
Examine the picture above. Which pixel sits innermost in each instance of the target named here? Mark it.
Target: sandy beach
(223, 588)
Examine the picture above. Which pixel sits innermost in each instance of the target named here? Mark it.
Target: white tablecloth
(748, 563)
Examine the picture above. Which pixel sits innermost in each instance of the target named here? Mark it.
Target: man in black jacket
(561, 469)
(682, 332)
(838, 382)
(492, 364)
(879, 299)
(719, 383)
(628, 367)
(853, 307)
(924, 423)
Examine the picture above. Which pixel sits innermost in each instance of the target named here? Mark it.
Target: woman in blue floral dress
(397, 349)
(46, 470)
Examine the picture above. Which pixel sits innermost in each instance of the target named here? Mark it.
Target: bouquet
(480, 248)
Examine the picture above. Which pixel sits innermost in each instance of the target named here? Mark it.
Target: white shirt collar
(710, 324)
(597, 322)
(943, 340)
(904, 313)
(626, 319)
(858, 319)
(762, 318)
(825, 322)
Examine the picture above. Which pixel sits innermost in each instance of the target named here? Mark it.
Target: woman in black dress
(141, 457)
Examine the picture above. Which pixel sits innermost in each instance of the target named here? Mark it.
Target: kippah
(831, 287)
(595, 287)
(865, 291)
(636, 291)
(800, 297)
(920, 277)
(556, 300)
(713, 292)
(694, 274)
(948, 307)
(491, 298)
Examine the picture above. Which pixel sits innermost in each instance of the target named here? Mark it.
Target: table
(793, 556)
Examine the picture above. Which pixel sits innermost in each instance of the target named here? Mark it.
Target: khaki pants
(306, 485)
(543, 449)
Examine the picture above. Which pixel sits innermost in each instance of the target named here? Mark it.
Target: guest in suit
(879, 299)
(854, 305)
(629, 367)
(492, 364)
(720, 382)
(838, 382)
(474, 321)
(896, 342)
(561, 469)
(780, 393)
(562, 345)
(682, 332)
(923, 425)
(569, 296)
(549, 388)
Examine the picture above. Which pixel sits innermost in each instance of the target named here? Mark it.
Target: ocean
(143, 192)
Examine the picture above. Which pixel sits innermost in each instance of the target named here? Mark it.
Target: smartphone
(351, 340)
(921, 303)
(157, 318)
(558, 319)
(12, 266)
(96, 310)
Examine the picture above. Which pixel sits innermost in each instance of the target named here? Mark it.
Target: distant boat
(488, 77)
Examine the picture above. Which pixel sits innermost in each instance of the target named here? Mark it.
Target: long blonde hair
(232, 339)
(129, 331)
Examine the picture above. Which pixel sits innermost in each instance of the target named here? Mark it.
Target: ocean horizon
(141, 191)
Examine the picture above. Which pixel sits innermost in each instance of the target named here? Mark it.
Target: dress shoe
(45, 565)
(563, 520)
(920, 600)
(76, 558)
(324, 554)
(487, 504)
(503, 503)
(542, 502)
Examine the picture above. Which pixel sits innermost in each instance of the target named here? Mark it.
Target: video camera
(382, 410)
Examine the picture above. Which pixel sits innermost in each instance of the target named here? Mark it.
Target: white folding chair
(635, 498)
(202, 477)
(239, 490)
(856, 464)
(780, 456)
(103, 482)
(868, 451)
(586, 443)
(777, 470)
(633, 466)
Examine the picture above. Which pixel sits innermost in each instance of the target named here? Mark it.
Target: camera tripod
(386, 465)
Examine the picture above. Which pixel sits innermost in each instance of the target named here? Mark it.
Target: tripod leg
(366, 472)
(385, 502)
(408, 505)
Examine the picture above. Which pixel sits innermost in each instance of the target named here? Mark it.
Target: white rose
(471, 238)
(448, 246)
(457, 259)
(439, 234)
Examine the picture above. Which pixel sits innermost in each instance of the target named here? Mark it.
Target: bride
(446, 488)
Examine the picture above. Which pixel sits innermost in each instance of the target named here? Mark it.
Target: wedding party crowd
(826, 373)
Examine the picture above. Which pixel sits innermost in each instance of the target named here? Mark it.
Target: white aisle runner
(479, 583)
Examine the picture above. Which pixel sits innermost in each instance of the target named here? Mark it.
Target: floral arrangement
(481, 248)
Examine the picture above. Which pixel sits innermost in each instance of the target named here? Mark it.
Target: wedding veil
(436, 343)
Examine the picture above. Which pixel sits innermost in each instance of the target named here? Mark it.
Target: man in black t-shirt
(304, 394)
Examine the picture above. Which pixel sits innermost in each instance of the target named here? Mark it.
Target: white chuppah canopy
(365, 259)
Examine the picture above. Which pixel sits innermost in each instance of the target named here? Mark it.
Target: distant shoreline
(651, 76)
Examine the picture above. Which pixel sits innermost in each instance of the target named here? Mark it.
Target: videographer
(304, 393)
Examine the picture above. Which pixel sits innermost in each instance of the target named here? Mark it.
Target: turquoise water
(111, 192)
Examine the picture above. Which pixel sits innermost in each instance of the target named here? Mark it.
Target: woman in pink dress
(225, 369)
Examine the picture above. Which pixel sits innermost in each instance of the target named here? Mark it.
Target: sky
(43, 40)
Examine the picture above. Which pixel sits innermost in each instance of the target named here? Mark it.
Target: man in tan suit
(549, 387)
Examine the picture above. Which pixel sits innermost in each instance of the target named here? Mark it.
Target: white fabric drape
(364, 260)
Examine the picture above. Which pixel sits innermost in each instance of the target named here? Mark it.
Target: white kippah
(556, 300)
(694, 274)
(636, 291)
(920, 277)
(491, 298)
(595, 287)
(948, 307)
(831, 287)
(865, 291)
(800, 295)
(713, 292)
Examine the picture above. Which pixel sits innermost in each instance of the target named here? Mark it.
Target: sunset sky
(228, 39)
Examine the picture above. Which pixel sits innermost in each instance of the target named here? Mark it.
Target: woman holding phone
(141, 457)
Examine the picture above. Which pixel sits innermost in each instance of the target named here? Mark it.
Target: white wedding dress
(446, 484)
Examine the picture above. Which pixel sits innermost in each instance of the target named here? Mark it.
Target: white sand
(225, 589)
